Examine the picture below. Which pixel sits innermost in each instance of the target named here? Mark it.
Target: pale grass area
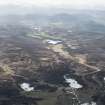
(81, 58)
(59, 49)
(6, 69)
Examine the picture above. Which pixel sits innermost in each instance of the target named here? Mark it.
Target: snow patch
(104, 78)
(72, 83)
(92, 103)
(53, 42)
(26, 87)
(85, 104)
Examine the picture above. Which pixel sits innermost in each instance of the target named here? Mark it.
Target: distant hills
(77, 20)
